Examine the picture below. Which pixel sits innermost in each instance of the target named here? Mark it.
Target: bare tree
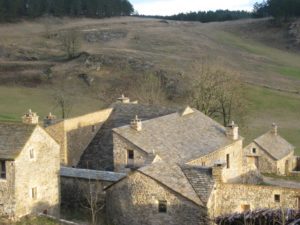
(93, 198)
(70, 41)
(217, 93)
(148, 88)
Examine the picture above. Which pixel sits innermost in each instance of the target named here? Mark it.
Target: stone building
(29, 169)
(271, 153)
(159, 194)
(186, 137)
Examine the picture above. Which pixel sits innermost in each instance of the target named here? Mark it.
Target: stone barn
(160, 194)
(271, 153)
(29, 168)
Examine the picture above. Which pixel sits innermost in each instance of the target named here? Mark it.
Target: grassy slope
(169, 46)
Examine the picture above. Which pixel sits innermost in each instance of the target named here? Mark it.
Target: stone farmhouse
(272, 154)
(29, 168)
(156, 165)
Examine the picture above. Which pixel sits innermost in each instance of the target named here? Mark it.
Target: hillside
(116, 51)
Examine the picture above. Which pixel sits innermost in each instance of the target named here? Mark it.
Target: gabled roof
(275, 145)
(99, 153)
(171, 176)
(13, 137)
(201, 180)
(178, 137)
(91, 174)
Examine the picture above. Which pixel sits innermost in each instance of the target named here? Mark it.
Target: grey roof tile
(91, 174)
(13, 137)
(275, 145)
(177, 138)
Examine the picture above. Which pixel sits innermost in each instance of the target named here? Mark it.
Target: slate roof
(171, 176)
(178, 138)
(13, 137)
(91, 174)
(275, 145)
(99, 153)
(201, 180)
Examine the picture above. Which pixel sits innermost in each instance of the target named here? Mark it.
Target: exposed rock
(93, 36)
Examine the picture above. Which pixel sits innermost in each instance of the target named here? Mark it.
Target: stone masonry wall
(235, 155)
(80, 131)
(75, 134)
(229, 198)
(7, 195)
(134, 201)
(121, 146)
(41, 172)
(266, 164)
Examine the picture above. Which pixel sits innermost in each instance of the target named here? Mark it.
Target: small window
(203, 163)
(130, 154)
(277, 198)
(93, 128)
(254, 150)
(2, 169)
(31, 153)
(227, 161)
(162, 206)
(34, 193)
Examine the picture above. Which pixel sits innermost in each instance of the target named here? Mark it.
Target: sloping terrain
(33, 68)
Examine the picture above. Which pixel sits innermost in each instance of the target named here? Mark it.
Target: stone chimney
(274, 129)
(30, 117)
(217, 171)
(123, 99)
(49, 120)
(232, 131)
(136, 124)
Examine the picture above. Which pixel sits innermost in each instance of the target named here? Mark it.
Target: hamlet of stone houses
(155, 165)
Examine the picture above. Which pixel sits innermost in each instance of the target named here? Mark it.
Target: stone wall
(121, 146)
(229, 198)
(285, 165)
(75, 134)
(40, 172)
(235, 153)
(134, 201)
(7, 187)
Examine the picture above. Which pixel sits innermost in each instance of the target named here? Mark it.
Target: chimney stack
(123, 99)
(136, 124)
(274, 129)
(217, 171)
(232, 131)
(30, 117)
(49, 120)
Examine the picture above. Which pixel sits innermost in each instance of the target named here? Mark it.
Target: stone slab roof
(99, 153)
(171, 176)
(201, 180)
(91, 174)
(178, 138)
(275, 145)
(13, 137)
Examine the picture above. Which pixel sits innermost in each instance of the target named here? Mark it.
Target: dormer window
(2, 169)
(31, 153)
(254, 150)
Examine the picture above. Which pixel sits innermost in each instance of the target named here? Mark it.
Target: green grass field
(267, 106)
(15, 101)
